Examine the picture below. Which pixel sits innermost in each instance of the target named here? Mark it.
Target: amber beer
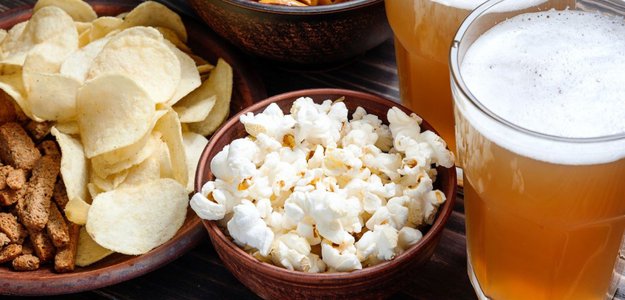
(540, 104)
(423, 32)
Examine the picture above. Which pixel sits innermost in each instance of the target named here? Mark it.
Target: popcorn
(318, 124)
(207, 209)
(292, 252)
(394, 213)
(341, 259)
(248, 229)
(306, 229)
(385, 138)
(300, 191)
(407, 237)
(403, 125)
(383, 163)
(242, 159)
(271, 122)
(267, 144)
(379, 243)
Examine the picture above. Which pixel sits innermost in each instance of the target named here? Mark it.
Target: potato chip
(94, 191)
(148, 170)
(135, 220)
(205, 69)
(74, 168)
(167, 170)
(84, 39)
(77, 64)
(49, 25)
(154, 14)
(111, 163)
(112, 118)
(3, 35)
(143, 31)
(11, 44)
(173, 38)
(198, 60)
(220, 84)
(45, 58)
(190, 111)
(189, 75)
(109, 183)
(77, 9)
(76, 210)
(11, 77)
(89, 251)
(169, 126)
(148, 62)
(194, 145)
(69, 128)
(12, 84)
(75, 175)
(103, 26)
(82, 27)
(49, 35)
(52, 96)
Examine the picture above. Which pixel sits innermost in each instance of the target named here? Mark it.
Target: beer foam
(507, 6)
(558, 73)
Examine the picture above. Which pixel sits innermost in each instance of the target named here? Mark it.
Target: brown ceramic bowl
(271, 282)
(117, 267)
(298, 35)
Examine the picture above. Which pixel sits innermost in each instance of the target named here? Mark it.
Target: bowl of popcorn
(325, 193)
(299, 32)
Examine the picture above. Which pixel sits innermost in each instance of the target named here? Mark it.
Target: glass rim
(464, 90)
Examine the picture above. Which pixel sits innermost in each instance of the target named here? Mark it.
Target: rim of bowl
(303, 277)
(297, 10)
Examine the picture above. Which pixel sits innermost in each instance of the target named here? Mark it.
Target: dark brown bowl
(271, 282)
(298, 35)
(117, 267)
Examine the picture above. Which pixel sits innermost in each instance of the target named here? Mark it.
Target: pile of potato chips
(131, 106)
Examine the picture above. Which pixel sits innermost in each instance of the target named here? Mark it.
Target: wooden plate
(116, 268)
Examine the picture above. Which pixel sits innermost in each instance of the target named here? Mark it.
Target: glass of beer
(423, 32)
(539, 97)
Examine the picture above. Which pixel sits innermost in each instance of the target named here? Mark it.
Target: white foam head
(558, 73)
(472, 4)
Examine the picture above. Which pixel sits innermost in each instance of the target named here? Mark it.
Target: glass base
(610, 295)
(476, 285)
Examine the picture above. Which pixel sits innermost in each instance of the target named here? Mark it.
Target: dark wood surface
(200, 274)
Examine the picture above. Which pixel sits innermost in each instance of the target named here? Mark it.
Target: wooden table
(201, 275)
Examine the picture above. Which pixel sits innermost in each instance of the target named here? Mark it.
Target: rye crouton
(7, 108)
(4, 173)
(9, 226)
(38, 130)
(35, 209)
(60, 194)
(16, 147)
(57, 227)
(65, 259)
(4, 239)
(42, 245)
(10, 252)
(27, 247)
(16, 179)
(10, 197)
(26, 262)
(50, 148)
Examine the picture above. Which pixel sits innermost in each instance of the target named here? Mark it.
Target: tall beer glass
(540, 117)
(423, 31)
